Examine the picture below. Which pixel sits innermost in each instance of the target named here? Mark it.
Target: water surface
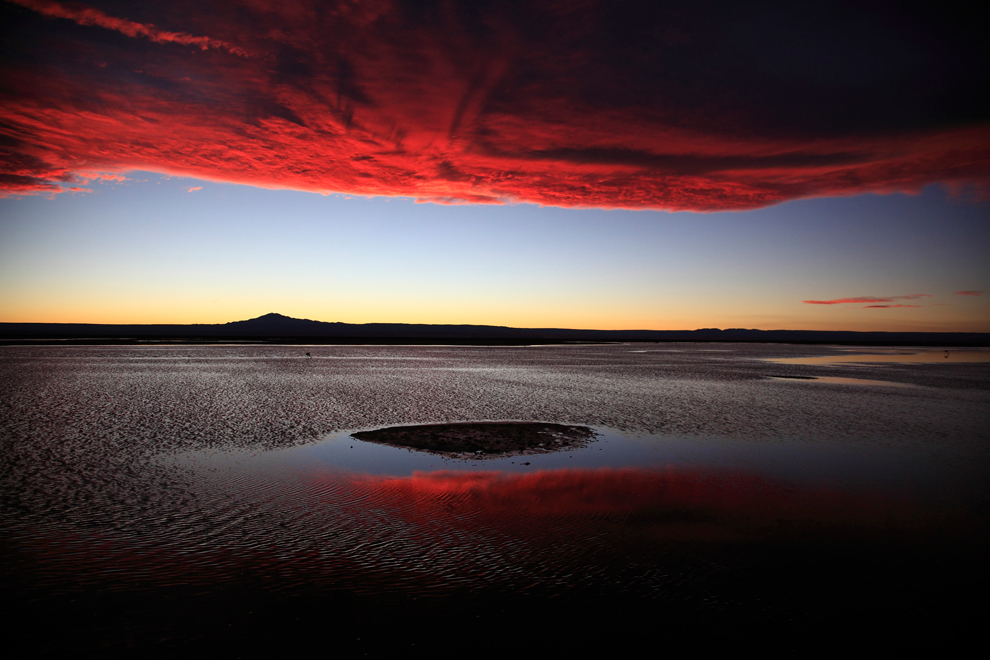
(164, 498)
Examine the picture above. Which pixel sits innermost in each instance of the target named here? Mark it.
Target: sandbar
(482, 439)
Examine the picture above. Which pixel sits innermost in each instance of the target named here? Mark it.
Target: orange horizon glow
(128, 316)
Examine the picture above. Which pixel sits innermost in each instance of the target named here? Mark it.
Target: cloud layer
(701, 106)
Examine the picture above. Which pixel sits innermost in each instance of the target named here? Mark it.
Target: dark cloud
(702, 106)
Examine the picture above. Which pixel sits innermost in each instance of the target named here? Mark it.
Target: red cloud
(195, 188)
(871, 299)
(466, 102)
(840, 301)
(969, 293)
(100, 176)
(89, 16)
(887, 306)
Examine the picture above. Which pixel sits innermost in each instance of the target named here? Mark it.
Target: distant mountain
(279, 328)
(277, 324)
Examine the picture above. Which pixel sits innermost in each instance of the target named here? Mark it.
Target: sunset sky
(532, 164)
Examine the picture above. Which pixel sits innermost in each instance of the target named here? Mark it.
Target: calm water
(162, 499)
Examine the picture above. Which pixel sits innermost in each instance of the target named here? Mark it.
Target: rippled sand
(159, 499)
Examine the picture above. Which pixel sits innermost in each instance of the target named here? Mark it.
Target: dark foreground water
(159, 501)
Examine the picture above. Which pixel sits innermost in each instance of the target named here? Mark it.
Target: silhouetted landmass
(276, 328)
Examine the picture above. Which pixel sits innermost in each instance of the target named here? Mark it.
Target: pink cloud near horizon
(969, 293)
(870, 299)
(470, 103)
(887, 306)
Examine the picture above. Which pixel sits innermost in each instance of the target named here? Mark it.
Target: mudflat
(482, 439)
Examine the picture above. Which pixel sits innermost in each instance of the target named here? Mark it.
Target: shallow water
(161, 498)
(894, 355)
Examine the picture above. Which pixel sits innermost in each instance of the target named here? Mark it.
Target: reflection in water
(431, 552)
(671, 502)
(839, 380)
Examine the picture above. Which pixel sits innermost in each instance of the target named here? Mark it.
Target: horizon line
(484, 325)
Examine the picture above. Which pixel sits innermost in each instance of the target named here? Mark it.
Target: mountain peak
(273, 318)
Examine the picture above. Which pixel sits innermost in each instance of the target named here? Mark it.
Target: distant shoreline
(278, 329)
(448, 341)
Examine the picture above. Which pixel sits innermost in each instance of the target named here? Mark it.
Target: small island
(479, 440)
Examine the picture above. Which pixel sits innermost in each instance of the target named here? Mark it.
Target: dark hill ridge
(284, 329)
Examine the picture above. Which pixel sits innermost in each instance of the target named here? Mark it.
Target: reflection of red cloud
(446, 105)
(682, 501)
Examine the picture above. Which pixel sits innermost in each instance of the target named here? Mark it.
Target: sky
(533, 164)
